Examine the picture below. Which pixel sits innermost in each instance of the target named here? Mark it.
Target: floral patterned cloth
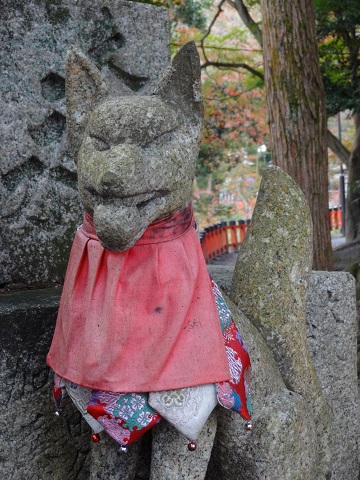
(127, 416)
(234, 394)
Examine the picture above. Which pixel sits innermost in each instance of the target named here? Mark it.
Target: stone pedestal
(332, 328)
(34, 443)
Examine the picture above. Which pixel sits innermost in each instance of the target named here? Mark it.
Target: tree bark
(247, 19)
(352, 216)
(296, 109)
(338, 148)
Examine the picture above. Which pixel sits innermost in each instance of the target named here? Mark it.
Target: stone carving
(136, 158)
(269, 282)
(50, 131)
(53, 87)
(136, 155)
(285, 443)
(39, 205)
(136, 162)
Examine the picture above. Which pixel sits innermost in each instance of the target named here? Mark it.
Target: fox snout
(115, 171)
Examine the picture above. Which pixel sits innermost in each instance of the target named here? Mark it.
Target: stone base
(34, 443)
(332, 327)
(37, 445)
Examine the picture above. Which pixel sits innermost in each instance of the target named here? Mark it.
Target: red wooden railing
(223, 238)
(335, 218)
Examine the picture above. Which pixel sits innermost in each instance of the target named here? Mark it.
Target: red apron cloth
(141, 320)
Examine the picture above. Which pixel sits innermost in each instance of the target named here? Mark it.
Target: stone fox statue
(143, 333)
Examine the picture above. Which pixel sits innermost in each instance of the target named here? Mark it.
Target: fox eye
(99, 144)
(157, 138)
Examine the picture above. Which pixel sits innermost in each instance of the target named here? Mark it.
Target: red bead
(95, 437)
(192, 446)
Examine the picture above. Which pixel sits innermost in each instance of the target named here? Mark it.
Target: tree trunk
(352, 215)
(296, 109)
(338, 148)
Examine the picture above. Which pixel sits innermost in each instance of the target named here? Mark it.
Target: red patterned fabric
(235, 393)
(141, 320)
(125, 417)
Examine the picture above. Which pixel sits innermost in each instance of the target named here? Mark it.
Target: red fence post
(340, 218)
(231, 236)
(208, 243)
(212, 242)
(336, 217)
(216, 240)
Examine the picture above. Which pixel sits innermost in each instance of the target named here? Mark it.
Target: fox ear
(85, 87)
(181, 83)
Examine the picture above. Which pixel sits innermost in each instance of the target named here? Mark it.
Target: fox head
(136, 155)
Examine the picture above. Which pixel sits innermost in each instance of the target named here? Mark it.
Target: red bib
(141, 320)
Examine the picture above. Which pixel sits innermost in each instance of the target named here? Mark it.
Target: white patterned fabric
(187, 409)
(81, 396)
